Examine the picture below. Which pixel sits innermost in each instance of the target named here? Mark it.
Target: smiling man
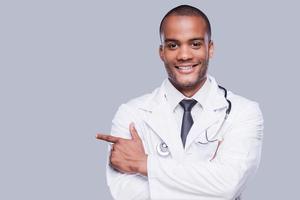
(185, 50)
(190, 138)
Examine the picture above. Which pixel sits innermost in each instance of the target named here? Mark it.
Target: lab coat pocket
(205, 151)
(206, 145)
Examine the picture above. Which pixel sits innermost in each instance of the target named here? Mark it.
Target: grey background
(67, 65)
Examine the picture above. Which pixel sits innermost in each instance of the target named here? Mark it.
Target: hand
(127, 155)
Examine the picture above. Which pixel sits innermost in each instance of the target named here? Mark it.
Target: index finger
(107, 138)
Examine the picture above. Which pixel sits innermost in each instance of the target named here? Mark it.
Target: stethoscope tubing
(162, 148)
(218, 131)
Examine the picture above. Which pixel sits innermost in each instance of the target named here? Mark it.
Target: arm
(224, 177)
(123, 185)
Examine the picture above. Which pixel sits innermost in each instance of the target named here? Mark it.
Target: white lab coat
(200, 171)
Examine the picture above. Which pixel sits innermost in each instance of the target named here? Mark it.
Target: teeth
(185, 67)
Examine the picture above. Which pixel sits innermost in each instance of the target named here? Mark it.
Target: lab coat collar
(215, 99)
(160, 118)
(174, 96)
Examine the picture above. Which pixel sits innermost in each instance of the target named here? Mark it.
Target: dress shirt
(173, 97)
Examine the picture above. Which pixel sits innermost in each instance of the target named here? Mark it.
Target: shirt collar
(173, 96)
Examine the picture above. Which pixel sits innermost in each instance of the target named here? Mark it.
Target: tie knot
(188, 104)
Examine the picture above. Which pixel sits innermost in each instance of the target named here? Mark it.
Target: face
(185, 51)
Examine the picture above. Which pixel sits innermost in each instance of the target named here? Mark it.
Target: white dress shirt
(173, 97)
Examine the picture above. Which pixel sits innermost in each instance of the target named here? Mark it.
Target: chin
(187, 83)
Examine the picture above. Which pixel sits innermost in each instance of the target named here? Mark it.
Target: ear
(211, 49)
(161, 52)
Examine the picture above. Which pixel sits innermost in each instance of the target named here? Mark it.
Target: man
(188, 139)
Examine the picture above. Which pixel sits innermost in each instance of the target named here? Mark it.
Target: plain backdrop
(66, 66)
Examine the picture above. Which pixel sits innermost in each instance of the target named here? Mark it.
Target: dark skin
(127, 155)
(185, 43)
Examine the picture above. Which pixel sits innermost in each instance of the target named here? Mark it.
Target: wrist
(142, 166)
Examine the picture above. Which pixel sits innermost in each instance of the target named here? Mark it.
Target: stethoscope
(163, 149)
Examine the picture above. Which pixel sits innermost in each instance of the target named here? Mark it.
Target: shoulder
(141, 103)
(240, 100)
(239, 105)
(132, 111)
(144, 101)
(243, 107)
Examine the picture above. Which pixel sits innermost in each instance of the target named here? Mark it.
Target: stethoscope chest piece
(163, 149)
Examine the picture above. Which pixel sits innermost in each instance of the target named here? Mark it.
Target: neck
(192, 90)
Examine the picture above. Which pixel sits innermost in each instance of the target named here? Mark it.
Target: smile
(186, 69)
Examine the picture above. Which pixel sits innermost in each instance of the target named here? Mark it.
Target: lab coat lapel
(159, 117)
(163, 123)
(211, 114)
(207, 119)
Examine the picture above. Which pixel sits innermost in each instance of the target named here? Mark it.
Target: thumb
(133, 132)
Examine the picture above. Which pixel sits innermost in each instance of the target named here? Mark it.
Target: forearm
(215, 179)
(127, 186)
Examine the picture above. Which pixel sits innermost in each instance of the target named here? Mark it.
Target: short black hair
(186, 10)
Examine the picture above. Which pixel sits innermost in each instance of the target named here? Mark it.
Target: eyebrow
(177, 41)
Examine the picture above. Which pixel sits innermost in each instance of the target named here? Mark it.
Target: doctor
(188, 139)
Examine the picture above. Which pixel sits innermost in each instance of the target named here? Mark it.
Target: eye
(196, 44)
(172, 45)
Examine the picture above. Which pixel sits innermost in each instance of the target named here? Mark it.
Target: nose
(184, 53)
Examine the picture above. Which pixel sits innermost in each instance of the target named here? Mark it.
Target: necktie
(187, 120)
